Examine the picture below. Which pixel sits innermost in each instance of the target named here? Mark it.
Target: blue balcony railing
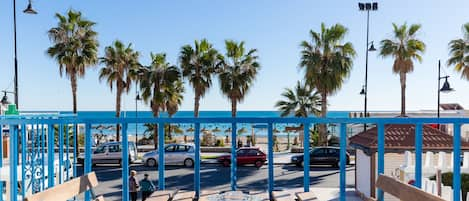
(37, 145)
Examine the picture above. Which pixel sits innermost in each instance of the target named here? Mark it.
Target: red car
(245, 155)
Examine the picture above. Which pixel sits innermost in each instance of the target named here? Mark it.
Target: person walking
(147, 187)
(133, 185)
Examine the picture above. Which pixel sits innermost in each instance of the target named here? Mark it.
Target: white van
(110, 153)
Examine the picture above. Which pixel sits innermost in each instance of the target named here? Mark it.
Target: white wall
(363, 163)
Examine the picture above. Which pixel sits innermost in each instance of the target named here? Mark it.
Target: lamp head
(4, 100)
(29, 9)
(372, 47)
(363, 92)
(446, 88)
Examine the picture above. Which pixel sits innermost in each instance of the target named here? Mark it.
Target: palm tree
(300, 101)
(328, 62)
(198, 66)
(156, 80)
(74, 48)
(238, 72)
(459, 50)
(118, 60)
(403, 47)
(174, 97)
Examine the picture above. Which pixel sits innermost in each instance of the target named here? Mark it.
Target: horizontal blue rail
(38, 141)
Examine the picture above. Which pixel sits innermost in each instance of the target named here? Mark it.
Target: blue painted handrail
(37, 141)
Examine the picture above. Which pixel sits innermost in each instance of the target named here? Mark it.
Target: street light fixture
(445, 89)
(28, 10)
(367, 7)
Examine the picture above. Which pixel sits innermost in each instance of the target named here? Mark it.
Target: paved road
(215, 177)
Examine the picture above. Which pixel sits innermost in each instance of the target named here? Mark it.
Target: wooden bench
(403, 191)
(306, 196)
(163, 195)
(282, 196)
(205, 194)
(184, 196)
(69, 189)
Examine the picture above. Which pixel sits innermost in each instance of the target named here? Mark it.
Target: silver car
(174, 154)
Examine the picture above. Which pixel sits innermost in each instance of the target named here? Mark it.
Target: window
(333, 151)
(169, 148)
(114, 148)
(242, 152)
(318, 152)
(182, 148)
(252, 152)
(100, 150)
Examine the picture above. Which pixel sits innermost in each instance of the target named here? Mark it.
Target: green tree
(155, 83)
(119, 59)
(173, 100)
(459, 51)
(238, 72)
(198, 66)
(74, 48)
(404, 47)
(328, 62)
(300, 101)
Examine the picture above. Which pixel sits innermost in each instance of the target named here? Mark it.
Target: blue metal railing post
(13, 162)
(457, 162)
(380, 156)
(270, 160)
(306, 157)
(197, 160)
(233, 156)
(161, 156)
(75, 149)
(50, 155)
(418, 155)
(23, 160)
(343, 159)
(61, 151)
(125, 163)
(88, 160)
(67, 155)
(43, 148)
(1, 157)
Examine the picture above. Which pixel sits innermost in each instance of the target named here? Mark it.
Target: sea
(217, 129)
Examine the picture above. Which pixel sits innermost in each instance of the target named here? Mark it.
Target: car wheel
(258, 164)
(151, 162)
(226, 163)
(121, 163)
(336, 164)
(188, 163)
(298, 164)
(302, 164)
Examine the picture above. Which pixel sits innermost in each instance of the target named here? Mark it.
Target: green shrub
(447, 180)
(220, 143)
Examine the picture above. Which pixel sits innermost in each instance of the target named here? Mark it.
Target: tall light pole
(137, 98)
(28, 10)
(367, 7)
(445, 89)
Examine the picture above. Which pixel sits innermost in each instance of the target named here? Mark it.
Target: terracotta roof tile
(402, 136)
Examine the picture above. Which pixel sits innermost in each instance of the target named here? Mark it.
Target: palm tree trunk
(196, 104)
(403, 78)
(322, 127)
(156, 114)
(118, 108)
(73, 80)
(233, 107)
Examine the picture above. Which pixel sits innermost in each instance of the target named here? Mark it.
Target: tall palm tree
(156, 80)
(300, 101)
(238, 72)
(198, 66)
(74, 48)
(459, 50)
(403, 47)
(119, 59)
(328, 62)
(173, 100)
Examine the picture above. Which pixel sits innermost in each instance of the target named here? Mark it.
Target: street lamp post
(445, 89)
(137, 98)
(28, 10)
(367, 7)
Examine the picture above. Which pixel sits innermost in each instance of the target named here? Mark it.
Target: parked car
(174, 154)
(110, 153)
(321, 156)
(245, 155)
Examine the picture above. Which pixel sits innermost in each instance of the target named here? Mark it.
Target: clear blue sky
(274, 27)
